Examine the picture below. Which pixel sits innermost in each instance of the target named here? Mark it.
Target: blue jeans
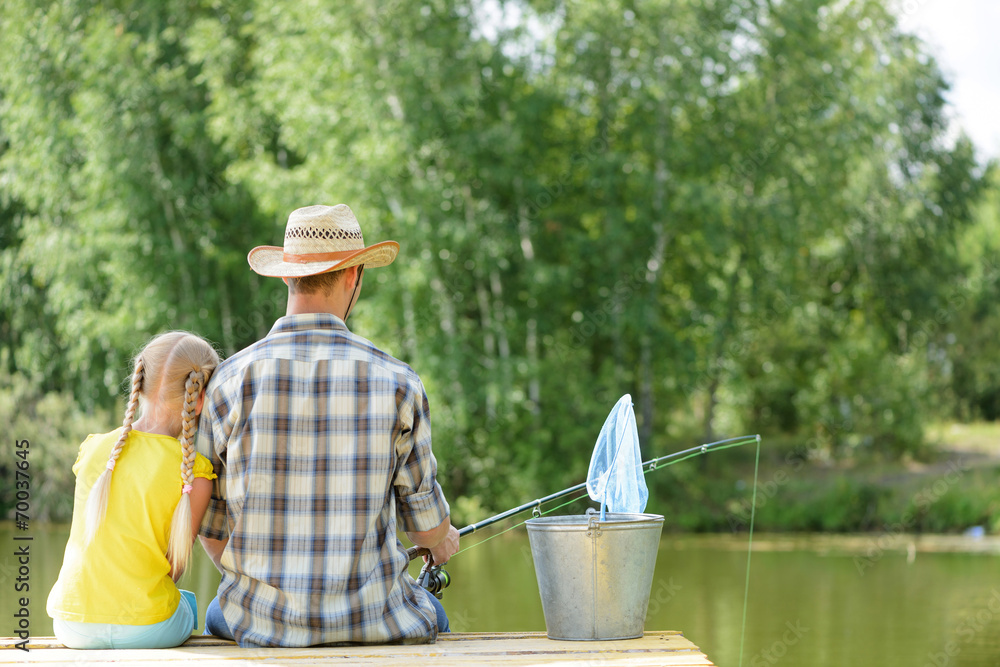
(442, 618)
(172, 632)
(215, 622)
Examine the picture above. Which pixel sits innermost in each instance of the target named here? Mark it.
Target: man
(322, 447)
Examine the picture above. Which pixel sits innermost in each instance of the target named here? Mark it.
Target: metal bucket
(594, 576)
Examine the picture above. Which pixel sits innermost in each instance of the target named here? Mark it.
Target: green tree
(746, 215)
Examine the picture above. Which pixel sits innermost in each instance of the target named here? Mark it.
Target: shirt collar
(307, 321)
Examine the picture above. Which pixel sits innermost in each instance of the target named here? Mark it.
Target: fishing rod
(435, 579)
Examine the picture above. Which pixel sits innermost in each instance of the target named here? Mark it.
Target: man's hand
(442, 541)
(447, 548)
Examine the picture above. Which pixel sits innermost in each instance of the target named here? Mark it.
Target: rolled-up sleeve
(420, 502)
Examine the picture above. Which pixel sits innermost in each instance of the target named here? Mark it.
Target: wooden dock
(661, 649)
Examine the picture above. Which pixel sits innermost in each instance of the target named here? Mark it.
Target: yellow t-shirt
(123, 576)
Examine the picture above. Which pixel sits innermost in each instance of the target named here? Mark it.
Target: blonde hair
(169, 374)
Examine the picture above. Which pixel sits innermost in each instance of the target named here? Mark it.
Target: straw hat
(319, 239)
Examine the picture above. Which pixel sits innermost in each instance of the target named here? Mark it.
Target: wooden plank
(667, 649)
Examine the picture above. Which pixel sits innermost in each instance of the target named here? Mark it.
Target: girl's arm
(201, 491)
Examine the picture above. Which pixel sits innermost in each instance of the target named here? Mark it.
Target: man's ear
(284, 280)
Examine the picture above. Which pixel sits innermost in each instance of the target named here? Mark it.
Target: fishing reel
(434, 578)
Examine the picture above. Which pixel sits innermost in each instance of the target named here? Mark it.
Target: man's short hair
(323, 282)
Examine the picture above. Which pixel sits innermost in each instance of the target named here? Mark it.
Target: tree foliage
(746, 214)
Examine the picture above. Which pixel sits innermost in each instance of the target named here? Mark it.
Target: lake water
(814, 601)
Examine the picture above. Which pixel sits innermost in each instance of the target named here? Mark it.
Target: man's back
(321, 441)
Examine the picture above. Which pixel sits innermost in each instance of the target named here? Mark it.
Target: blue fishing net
(615, 477)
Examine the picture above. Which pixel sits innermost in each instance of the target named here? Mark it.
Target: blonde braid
(97, 502)
(179, 544)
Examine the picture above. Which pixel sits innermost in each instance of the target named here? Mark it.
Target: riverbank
(954, 489)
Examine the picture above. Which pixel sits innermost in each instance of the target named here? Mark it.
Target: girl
(116, 588)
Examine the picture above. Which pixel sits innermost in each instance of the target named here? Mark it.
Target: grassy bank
(955, 488)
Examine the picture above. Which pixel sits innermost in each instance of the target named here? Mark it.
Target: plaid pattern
(322, 446)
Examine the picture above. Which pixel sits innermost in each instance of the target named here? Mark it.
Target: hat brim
(270, 261)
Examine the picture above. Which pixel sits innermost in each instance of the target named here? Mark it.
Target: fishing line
(746, 586)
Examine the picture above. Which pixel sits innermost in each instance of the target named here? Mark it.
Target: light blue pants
(165, 634)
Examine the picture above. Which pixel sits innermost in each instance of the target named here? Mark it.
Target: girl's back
(140, 494)
(122, 575)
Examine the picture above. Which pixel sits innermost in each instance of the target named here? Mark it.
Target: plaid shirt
(322, 446)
